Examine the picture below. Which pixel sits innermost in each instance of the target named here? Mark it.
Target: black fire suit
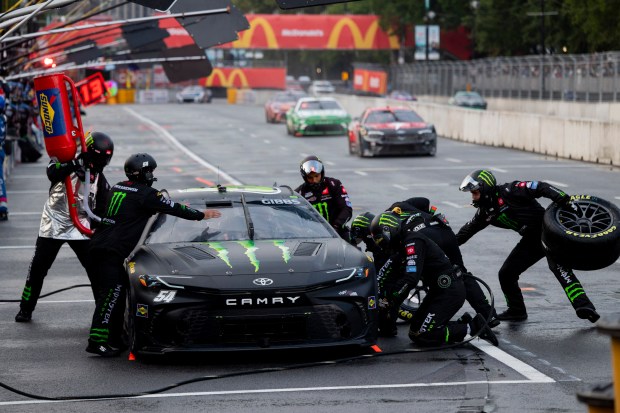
(57, 228)
(437, 228)
(331, 200)
(514, 206)
(129, 206)
(416, 258)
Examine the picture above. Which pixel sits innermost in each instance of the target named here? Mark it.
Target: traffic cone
(131, 357)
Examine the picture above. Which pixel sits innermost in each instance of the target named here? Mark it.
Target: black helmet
(385, 228)
(139, 167)
(483, 181)
(100, 149)
(311, 164)
(360, 227)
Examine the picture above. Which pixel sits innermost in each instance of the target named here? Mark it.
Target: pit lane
(539, 365)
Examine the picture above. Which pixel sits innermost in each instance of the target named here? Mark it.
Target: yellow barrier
(111, 100)
(231, 95)
(126, 96)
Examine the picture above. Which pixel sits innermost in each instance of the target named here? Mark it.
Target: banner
(255, 78)
(433, 42)
(318, 32)
(370, 81)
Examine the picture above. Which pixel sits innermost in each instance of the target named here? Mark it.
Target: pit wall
(569, 137)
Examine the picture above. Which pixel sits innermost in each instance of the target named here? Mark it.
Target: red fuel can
(62, 130)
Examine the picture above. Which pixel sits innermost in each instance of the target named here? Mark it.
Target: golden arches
(245, 38)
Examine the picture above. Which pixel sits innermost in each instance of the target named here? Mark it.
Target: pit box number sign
(92, 89)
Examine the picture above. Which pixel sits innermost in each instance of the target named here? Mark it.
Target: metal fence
(589, 78)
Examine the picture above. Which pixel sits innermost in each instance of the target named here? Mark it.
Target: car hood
(398, 125)
(222, 265)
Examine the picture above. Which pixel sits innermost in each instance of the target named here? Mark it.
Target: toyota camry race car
(317, 116)
(269, 273)
(391, 131)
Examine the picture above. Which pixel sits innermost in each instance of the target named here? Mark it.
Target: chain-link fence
(589, 78)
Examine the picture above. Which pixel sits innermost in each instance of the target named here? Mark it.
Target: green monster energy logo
(222, 252)
(115, 203)
(322, 208)
(99, 335)
(361, 222)
(510, 223)
(487, 177)
(286, 255)
(89, 140)
(573, 291)
(389, 220)
(26, 294)
(250, 250)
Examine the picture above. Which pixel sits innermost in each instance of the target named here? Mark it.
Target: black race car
(269, 273)
(391, 131)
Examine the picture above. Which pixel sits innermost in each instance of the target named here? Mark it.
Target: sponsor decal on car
(250, 252)
(222, 252)
(142, 310)
(372, 302)
(165, 296)
(258, 301)
(286, 253)
(132, 267)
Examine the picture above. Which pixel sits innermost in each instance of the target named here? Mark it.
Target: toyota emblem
(263, 281)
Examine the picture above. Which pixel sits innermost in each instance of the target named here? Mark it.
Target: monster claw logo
(115, 203)
(286, 254)
(250, 251)
(487, 177)
(389, 220)
(222, 252)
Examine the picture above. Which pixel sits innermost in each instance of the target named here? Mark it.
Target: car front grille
(198, 326)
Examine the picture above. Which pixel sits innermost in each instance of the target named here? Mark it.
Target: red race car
(280, 103)
(391, 131)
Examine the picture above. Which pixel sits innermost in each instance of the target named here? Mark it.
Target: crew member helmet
(100, 149)
(139, 167)
(312, 164)
(360, 227)
(385, 229)
(480, 180)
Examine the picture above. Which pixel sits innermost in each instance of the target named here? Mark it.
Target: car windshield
(319, 105)
(468, 97)
(285, 97)
(288, 221)
(386, 116)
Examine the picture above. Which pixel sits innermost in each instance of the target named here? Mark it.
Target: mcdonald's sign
(255, 78)
(318, 32)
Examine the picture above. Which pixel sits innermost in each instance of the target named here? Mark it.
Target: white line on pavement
(361, 173)
(453, 160)
(16, 247)
(514, 363)
(24, 213)
(266, 141)
(167, 135)
(452, 204)
(330, 163)
(404, 188)
(554, 183)
(26, 192)
(498, 169)
(291, 390)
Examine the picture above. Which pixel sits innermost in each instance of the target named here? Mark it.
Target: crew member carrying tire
(514, 206)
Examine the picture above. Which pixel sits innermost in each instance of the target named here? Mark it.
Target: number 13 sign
(92, 89)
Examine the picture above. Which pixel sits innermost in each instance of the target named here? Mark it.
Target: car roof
(311, 99)
(389, 108)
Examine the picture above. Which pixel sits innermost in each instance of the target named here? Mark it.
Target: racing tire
(351, 151)
(587, 238)
(363, 150)
(411, 304)
(433, 151)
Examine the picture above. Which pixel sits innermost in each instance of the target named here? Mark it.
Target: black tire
(584, 239)
(351, 151)
(362, 147)
(411, 304)
(433, 150)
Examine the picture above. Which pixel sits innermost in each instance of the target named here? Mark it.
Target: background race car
(269, 273)
(391, 131)
(280, 103)
(317, 116)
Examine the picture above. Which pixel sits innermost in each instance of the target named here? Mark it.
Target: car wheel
(363, 149)
(351, 150)
(587, 238)
(412, 303)
(288, 129)
(433, 150)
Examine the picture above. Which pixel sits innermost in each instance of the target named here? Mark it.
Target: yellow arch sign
(228, 81)
(245, 39)
(360, 42)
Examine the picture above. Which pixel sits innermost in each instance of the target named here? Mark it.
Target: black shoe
(512, 315)
(464, 319)
(478, 326)
(587, 313)
(24, 316)
(4, 216)
(103, 349)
